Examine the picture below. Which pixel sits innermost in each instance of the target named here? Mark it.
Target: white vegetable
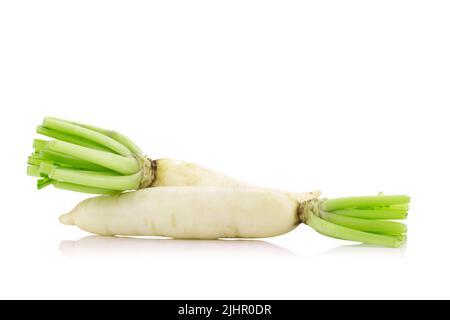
(191, 212)
(184, 200)
(174, 173)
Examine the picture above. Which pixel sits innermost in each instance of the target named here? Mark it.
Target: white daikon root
(216, 212)
(177, 173)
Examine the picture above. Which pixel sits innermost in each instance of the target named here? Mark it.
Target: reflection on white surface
(117, 246)
(98, 246)
(363, 250)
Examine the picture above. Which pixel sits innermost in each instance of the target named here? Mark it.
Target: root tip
(67, 219)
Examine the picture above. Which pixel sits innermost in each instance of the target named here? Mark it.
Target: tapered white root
(245, 212)
(67, 219)
(175, 173)
(191, 213)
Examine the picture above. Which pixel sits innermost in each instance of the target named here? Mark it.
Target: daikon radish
(245, 212)
(195, 202)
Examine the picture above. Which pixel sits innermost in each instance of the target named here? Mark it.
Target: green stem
(42, 183)
(404, 206)
(80, 188)
(70, 138)
(62, 159)
(33, 171)
(39, 144)
(34, 161)
(340, 232)
(85, 158)
(375, 214)
(375, 226)
(364, 202)
(94, 136)
(361, 219)
(114, 135)
(95, 179)
(105, 159)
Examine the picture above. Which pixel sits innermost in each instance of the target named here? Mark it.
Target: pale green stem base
(361, 219)
(85, 159)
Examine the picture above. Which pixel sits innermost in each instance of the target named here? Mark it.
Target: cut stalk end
(86, 159)
(360, 219)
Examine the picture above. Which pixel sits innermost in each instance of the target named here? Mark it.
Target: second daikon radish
(215, 212)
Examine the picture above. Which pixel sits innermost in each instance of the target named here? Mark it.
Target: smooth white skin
(181, 173)
(191, 213)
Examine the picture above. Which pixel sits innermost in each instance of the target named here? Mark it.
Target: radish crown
(87, 159)
(361, 219)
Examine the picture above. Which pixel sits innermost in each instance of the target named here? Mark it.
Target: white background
(349, 97)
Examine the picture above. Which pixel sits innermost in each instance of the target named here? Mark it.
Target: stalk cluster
(361, 219)
(85, 158)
